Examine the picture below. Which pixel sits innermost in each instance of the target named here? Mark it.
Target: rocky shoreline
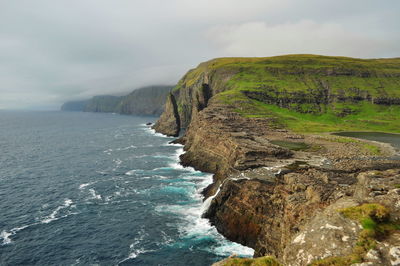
(283, 193)
(282, 202)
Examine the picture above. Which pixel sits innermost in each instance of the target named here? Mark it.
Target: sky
(52, 51)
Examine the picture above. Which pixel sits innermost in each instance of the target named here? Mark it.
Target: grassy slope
(304, 72)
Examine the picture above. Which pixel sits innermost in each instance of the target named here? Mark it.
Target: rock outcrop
(296, 218)
(169, 122)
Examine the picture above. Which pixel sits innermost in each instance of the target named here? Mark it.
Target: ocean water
(99, 189)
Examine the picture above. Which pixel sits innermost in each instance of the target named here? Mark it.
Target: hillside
(143, 101)
(281, 184)
(305, 93)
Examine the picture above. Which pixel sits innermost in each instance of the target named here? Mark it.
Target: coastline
(251, 185)
(203, 224)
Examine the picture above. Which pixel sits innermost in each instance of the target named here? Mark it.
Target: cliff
(103, 104)
(281, 183)
(143, 101)
(74, 106)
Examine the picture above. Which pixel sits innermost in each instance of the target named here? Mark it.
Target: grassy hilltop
(307, 93)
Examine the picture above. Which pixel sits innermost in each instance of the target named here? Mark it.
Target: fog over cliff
(54, 51)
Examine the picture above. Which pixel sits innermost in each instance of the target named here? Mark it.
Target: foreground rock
(297, 218)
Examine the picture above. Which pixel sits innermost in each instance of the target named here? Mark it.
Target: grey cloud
(53, 51)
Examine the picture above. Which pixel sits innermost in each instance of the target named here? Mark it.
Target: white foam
(82, 186)
(126, 148)
(172, 144)
(52, 216)
(206, 204)
(154, 133)
(134, 251)
(108, 151)
(94, 194)
(194, 226)
(229, 248)
(131, 172)
(6, 237)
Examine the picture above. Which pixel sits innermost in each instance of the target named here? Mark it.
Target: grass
(375, 221)
(290, 74)
(262, 261)
(372, 149)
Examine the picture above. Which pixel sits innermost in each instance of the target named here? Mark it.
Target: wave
(94, 194)
(194, 228)
(131, 172)
(126, 148)
(154, 133)
(108, 151)
(134, 250)
(5, 235)
(52, 216)
(82, 186)
(172, 144)
(176, 190)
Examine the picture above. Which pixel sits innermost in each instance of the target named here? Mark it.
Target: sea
(100, 189)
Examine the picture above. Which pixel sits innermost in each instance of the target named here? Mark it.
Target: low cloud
(304, 37)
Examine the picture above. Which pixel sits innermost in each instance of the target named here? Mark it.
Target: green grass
(375, 221)
(370, 117)
(306, 73)
(262, 261)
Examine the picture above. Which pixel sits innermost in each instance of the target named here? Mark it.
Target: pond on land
(393, 139)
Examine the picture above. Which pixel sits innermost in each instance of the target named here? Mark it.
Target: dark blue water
(85, 188)
(392, 139)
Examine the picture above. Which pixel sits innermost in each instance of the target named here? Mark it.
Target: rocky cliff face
(169, 122)
(144, 101)
(296, 217)
(280, 191)
(102, 104)
(74, 106)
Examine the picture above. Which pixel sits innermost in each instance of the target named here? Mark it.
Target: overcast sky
(57, 50)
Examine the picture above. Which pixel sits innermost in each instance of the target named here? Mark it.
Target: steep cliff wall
(103, 104)
(143, 101)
